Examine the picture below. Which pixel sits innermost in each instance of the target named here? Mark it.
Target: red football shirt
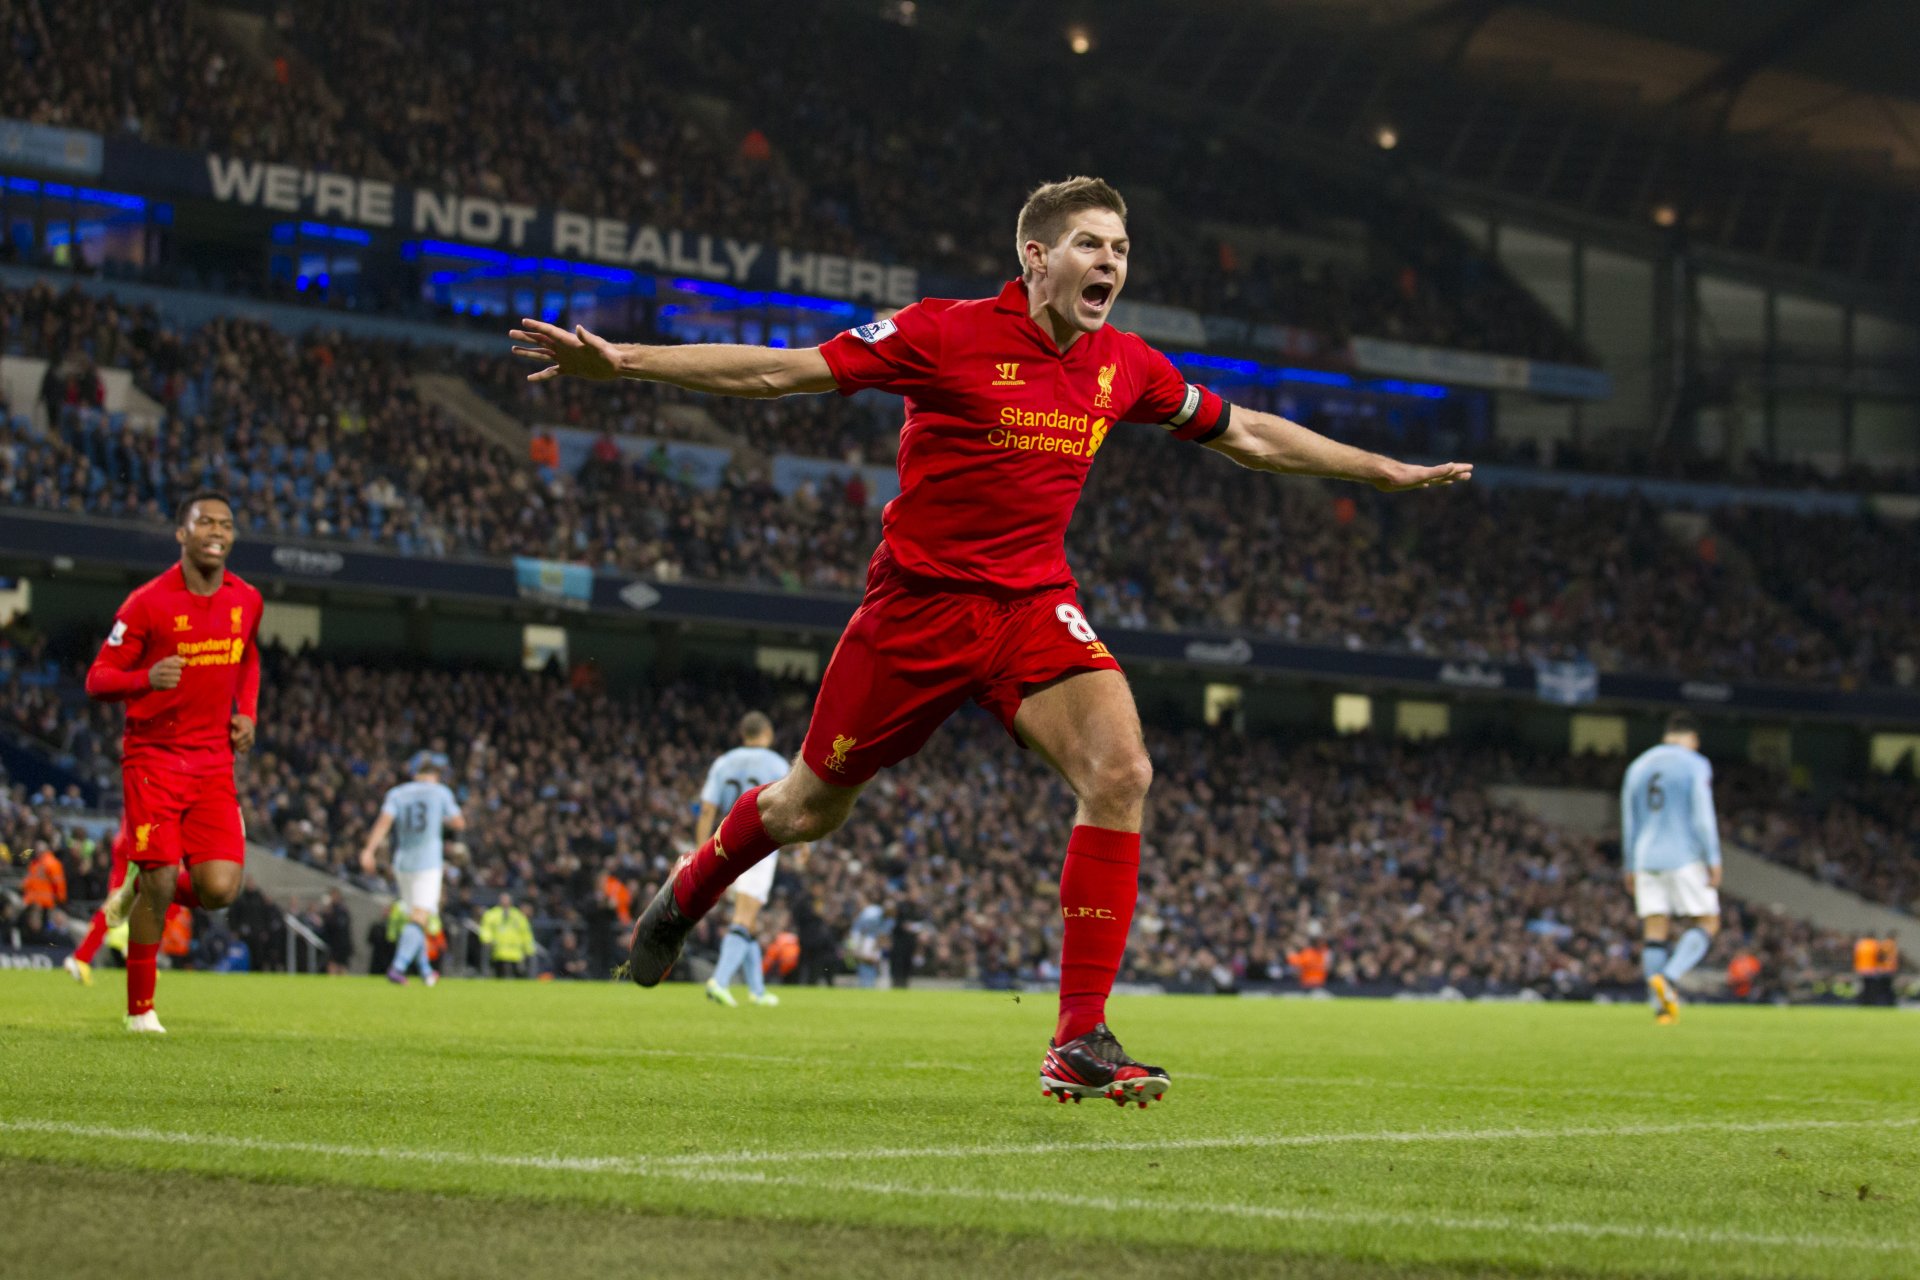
(1002, 428)
(184, 728)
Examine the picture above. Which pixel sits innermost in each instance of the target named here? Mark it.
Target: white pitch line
(1107, 1204)
(1403, 1137)
(1326, 1217)
(662, 1163)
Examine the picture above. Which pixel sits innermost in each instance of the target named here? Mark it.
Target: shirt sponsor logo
(118, 634)
(1103, 398)
(1008, 375)
(841, 745)
(211, 653)
(1049, 431)
(313, 564)
(872, 333)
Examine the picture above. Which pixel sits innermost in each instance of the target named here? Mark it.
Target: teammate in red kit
(184, 656)
(80, 963)
(969, 596)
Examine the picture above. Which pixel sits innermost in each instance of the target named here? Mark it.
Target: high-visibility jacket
(508, 933)
(620, 897)
(176, 935)
(1871, 959)
(1311, 964)
(1742, 973)
(46, 882)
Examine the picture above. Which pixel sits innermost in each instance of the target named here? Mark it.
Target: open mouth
(1097, 296)
(216, 548)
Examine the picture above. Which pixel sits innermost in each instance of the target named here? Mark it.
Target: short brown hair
(755, 724)
(1044, 216)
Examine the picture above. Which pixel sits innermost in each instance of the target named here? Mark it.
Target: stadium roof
(1830, 80)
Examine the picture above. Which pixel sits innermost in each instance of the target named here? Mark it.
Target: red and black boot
(1095, 1066)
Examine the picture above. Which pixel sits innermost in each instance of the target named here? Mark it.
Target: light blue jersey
(419, 810)
(738, 772)
(1666, 811)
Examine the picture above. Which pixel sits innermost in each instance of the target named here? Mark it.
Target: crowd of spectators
(323, 436)
(1391, 856)
(653, 115)
(1864, 837)
(1854, 579)
(159, 72)
(578, 801)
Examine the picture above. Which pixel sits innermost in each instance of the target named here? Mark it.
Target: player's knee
(156, 884)
(1119, 778)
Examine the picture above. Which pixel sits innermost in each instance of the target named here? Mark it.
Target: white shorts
(420, 890)
(757, 882)
(1682, 892)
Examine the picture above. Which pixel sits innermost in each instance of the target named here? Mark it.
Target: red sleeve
(1187, 409)
(116, 674)
(248, 694)
(896, 354)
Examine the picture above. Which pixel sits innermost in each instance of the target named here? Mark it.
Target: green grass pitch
(306, 1126)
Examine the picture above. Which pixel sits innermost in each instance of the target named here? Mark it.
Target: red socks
(90, 945)
(739, 843)
(143, 962)
(1097, 892)
(183, 894)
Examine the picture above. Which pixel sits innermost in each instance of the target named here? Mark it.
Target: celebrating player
(417, 812)
(969, 595)
(184, 656)
(752, 764)
(1670, 842)
(80, 963)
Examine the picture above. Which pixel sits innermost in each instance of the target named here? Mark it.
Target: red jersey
(1002, 428)
(217, 636)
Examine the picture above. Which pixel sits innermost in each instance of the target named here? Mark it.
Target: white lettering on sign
(479, 220)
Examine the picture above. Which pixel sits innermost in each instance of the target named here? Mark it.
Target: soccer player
(184, 656)
(752, 764)
(80, 963)
(969, 597)
(417, 812)
(1670, 843)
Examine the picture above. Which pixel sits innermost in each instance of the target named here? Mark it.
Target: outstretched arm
(759, 373)
(1267, 442)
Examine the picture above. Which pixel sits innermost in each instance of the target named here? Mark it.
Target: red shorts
(916, 650)
(171, 816)
(121, 845)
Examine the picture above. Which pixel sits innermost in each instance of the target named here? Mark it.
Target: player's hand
(165, 674)
(580, 354)
(1629, 882)
(366, 862)
(1401, 476)
(1713, 875)
(240, 731)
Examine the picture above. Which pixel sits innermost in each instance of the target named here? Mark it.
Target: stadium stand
(639, 123)
(1392, 854)
(321, 436)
